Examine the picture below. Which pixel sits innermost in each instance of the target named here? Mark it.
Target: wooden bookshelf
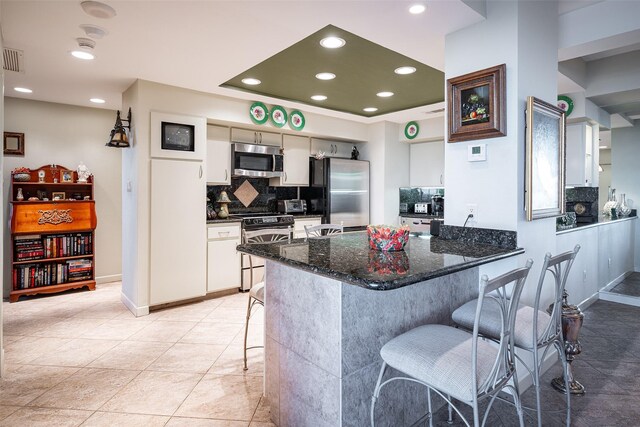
(52, 240)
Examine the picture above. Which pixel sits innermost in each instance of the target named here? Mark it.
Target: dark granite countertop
(602, 220)
(347, 258)
(222, 221)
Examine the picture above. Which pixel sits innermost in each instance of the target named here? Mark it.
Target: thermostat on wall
(477, 153)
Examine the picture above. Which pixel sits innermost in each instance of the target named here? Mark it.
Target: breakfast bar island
(331, 303)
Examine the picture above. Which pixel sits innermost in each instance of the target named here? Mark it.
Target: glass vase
(623, 210)
(611, 204)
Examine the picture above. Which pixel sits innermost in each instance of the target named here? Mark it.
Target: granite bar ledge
(347, 258)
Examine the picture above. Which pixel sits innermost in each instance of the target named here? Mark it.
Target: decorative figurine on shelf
(41, 174)
(355, 153)
(223, 200)
(20, 196)
(83, 173)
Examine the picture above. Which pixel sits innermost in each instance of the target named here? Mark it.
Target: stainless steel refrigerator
(339, 191)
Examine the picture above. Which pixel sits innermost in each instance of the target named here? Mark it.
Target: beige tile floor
(82, 358)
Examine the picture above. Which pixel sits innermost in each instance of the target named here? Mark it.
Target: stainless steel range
(256, 221)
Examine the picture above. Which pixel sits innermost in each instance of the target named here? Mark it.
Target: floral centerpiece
(386, 238)
(21, 174)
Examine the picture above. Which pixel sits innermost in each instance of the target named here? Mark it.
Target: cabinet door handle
(260, 136)
(226, 174)
(200, 173)
(285, 177)
(223, 234)
(440, 179)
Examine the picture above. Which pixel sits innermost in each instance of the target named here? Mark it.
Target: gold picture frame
(66, 176)
(476, 105)
(61, 195)
(545, 160)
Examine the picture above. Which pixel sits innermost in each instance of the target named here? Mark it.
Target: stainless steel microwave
(256, 161)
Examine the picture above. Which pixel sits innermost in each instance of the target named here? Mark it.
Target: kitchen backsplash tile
(581, 194)
(265, 201)
(413, 195)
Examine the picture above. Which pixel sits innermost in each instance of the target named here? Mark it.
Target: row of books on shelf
(35, 275)
(30, 248)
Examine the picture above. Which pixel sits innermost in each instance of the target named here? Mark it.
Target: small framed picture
(66, 176)
(178, 137)
(58, 195)
(13, 144)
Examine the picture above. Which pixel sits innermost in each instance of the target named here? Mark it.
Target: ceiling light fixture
(417, 9)
(97, 100)
(384, 94)
(85, 47)
(94, 31)
(370, 109)
(405, 70)
(22, 90)
(332, 42)
(118, 137)
(98, 10)
(251, 81)
(318, 97)
(325, 76)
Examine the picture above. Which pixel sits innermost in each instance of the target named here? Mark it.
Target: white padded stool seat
(257, 291)
(490, 322)
(441, 357)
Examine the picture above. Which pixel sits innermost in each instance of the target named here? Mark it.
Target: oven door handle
(274, 163)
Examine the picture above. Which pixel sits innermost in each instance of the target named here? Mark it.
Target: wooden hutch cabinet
(53, 220)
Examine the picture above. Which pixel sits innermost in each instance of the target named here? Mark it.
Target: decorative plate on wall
(278, 116)
(296, 120)
(411, 130)
(565, 104)
(259, 113)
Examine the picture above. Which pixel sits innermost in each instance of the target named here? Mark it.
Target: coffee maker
(437, 205)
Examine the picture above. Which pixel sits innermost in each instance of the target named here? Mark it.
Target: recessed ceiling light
(370, 109)
(251, 81)
(405, 70)
(318, 97)
(417, 9)
(94, 31)
(82, 54)
(22, 89)
(325, 76)
(97, 100)
(384, 94)
(332, 42)
(98, 10)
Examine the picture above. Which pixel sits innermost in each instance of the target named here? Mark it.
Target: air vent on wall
(13, 60)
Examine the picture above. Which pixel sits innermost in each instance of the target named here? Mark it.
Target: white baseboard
(137, 311)
(587, 302)
(108, 279)
(615, 282)
(620, 298)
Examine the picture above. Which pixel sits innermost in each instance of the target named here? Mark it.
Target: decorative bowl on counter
(387, 238)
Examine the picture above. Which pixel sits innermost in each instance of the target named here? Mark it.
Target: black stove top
(264, 219)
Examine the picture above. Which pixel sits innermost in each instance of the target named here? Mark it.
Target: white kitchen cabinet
(296, 151)
(331, 148)
(579, 155)
(178, 255)
(426, 164)
(218, 155)
(255, 137)
(223, 266)
(298, 226)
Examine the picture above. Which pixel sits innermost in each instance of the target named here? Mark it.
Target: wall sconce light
(118, 137)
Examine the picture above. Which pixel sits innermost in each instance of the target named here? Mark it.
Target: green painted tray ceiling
(362, 69)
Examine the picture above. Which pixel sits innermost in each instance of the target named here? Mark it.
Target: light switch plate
(477, 153)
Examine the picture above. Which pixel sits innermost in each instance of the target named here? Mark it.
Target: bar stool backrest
(559, 267)
(323, 230)
(265, 235)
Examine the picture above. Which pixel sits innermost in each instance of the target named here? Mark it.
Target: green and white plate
(411, 130)
(278, 116)
(565, 104)
(259, 113)
(296, 120)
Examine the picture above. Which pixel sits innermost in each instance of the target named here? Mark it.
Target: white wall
(2, 217)
(604, 178)
(625, 173)
(66, 135)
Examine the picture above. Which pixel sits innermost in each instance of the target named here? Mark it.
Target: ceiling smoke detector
(94, 31)
(98, 10)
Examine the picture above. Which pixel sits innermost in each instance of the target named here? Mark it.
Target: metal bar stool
(457, 364)
(535, 328)
(323, 229)
(256, 293)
